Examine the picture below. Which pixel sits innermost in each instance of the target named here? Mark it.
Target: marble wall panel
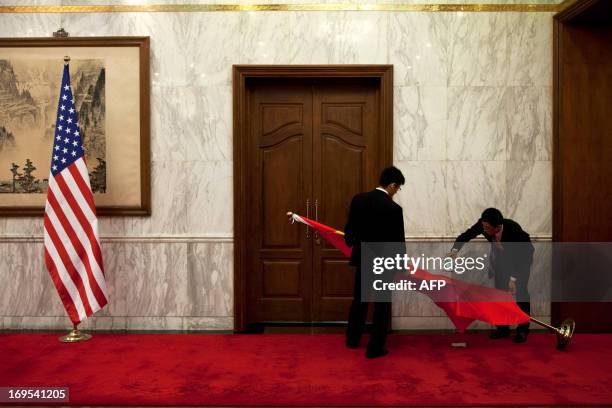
(181, 43)
(26, 287)
(530, 49)
(169, 185)
(529, 195)
(28, 25)
(337, 38)
(423, 198)
(264, 38)
(157, 275)
(477, 126)
(473, 186)
(528, 113)
(209, 190)
(191, 123)
(420, 123)
(419, 48)
(210, 279)
(477, 49)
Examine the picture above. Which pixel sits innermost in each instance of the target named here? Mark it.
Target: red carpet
(310, 370)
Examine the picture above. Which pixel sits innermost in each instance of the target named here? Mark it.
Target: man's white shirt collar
(382, 189)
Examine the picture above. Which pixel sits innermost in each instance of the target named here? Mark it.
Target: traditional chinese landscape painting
(109, 77)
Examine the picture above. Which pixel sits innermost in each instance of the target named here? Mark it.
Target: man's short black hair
(391, 175)
(493, 216)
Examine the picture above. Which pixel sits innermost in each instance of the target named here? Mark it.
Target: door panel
(279, 258)
(346, 162)
(281, 171)
(341, 174)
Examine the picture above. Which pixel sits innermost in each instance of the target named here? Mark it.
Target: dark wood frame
(241, 73)
(568, 15)
(559, 20)
(143, 43)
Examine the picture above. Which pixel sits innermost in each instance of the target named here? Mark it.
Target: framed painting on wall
(110, 82)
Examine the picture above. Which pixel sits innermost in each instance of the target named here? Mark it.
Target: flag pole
(75, 335)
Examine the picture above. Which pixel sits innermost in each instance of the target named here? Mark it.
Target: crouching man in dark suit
(510, 261)
(373, 217)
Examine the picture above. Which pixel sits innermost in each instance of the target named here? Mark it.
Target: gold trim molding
(199, 8)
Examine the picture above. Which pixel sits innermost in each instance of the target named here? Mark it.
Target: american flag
(72, 246)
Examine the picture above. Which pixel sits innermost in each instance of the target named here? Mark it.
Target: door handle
(307, 216)
(316, 233)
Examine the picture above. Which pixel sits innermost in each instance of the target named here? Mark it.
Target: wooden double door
(311, 145)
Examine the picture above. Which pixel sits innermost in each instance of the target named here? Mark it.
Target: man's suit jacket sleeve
(469, 234)
(401, 235)
(523, 254)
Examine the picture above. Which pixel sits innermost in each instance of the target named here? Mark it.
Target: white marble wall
(472, 129)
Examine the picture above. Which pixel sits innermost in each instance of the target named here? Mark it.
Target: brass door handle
(316, 233)
(307, 216)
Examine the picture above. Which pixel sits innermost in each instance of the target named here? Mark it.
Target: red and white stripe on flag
(72, 246)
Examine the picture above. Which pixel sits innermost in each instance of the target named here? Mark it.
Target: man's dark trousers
(358, 315)
(502, 277)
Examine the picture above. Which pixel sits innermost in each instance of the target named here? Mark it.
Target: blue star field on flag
(67, 144)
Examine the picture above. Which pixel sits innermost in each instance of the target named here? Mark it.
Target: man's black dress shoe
(376, 353)
(520, 337)
(352, 344)
(499, 334)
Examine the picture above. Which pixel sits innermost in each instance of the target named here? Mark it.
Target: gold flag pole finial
(61, 33)
(67, 59)
(75, 336)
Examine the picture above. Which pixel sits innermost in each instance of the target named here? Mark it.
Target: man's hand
(512, 286)
(453, 253)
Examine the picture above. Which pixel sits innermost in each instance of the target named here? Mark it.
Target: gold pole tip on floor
(565, 333)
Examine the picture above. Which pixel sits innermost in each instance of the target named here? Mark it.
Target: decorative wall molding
(451, 238)
(200, 8)
(135, 239)
(223, 238)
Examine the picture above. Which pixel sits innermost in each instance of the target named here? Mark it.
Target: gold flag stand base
(75, 336)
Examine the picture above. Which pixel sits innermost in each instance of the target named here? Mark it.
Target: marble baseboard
(121, 323)
(442, 323)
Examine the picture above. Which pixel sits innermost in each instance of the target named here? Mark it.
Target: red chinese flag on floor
(462, 302)
(72, 246)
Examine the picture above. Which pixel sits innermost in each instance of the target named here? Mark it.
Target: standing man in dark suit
(373, 217)
(510, 262)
